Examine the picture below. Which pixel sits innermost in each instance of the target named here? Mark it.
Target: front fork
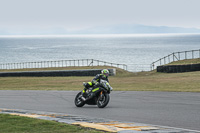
(101, 95)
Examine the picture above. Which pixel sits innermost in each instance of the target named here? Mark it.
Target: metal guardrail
(176, 56)
(61, 63)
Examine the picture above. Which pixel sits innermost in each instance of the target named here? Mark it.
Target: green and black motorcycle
(101, 97)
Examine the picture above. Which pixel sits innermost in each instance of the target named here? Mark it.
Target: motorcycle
(101, 98)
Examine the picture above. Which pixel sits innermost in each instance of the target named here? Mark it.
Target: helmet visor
(106, 74)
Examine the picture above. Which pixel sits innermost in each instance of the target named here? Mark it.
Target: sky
(29, 16)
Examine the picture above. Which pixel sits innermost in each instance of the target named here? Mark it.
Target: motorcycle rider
(95, 84)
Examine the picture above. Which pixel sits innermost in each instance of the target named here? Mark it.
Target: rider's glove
(111, 88)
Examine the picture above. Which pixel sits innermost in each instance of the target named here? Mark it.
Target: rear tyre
(78, 101)
(103, 100)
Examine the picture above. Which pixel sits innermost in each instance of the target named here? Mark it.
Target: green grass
(182, 82)
(185, 62)
(124, 81)
(144, 81)
(19, 124)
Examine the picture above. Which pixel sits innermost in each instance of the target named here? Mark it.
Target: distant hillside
(112, 29)
(137, 29)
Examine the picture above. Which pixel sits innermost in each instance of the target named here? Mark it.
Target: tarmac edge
(97, 123)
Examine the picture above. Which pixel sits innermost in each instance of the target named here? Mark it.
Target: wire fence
(61, 63)
(176, 56)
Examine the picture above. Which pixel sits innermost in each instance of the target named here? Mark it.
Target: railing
(176, 56)
(92, 62)
(61, 63)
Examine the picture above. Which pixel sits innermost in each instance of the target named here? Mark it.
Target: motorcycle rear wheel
(78, 101)
(103, 100)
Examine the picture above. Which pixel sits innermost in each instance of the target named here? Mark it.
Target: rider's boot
(85, 89)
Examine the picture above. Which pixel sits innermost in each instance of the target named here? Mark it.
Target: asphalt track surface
(173, 109)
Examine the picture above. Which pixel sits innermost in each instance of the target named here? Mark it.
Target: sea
(131, 49)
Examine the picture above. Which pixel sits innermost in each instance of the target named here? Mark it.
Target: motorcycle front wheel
(103, 100)
(78, 101)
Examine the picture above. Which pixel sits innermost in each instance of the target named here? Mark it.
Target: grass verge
(19, 124)
(185, 62)
(124, 81)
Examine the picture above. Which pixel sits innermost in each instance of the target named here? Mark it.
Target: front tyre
(78, 101)
(103, 100)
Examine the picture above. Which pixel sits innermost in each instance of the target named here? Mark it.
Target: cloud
(77, 15)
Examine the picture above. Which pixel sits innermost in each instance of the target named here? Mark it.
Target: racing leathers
(95, 85)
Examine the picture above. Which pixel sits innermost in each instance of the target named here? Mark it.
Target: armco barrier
(178, 68)
(57, 73)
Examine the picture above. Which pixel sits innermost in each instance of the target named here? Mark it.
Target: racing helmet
(105, 72)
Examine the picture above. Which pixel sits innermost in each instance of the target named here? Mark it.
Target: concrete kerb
(96, 123)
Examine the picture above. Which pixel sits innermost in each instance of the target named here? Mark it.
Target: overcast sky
(81, 14)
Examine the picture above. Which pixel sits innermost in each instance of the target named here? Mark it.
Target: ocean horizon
(129, 49)
(99, 35)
